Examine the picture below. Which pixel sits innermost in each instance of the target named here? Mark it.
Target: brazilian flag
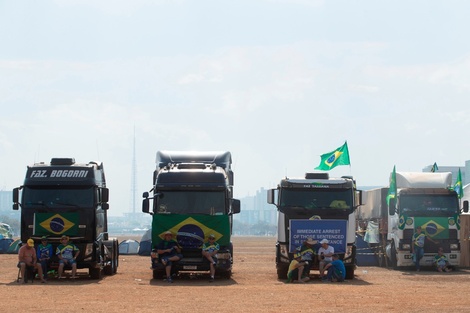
(434, 227)
(56, 224)
(190, 231)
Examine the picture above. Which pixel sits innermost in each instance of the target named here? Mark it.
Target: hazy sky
(277, 83)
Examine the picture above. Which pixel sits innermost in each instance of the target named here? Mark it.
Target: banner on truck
(333, 230)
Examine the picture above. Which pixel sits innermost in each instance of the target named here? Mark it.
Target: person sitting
(296, 268)
(209, 251)
(66, 257)
(169, 252)
(44, 254)
(336, 270)
(27, 261)
(307, 253)
(325, 253)
(441, 262)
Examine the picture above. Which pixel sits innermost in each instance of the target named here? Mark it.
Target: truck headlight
(224, 256)
(406, 246)
(454, 246)
(283, 251)
(88, 252)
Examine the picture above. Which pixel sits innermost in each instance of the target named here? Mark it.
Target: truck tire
(111, 268)
(393, 256)
(116, 256)
(95, 273)
(226, 274)
(158, 274)
(349, 273)
(282, 273)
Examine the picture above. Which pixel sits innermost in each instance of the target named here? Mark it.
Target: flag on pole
(434, 167)
(339, 156)
(458, 186)
(392, 190)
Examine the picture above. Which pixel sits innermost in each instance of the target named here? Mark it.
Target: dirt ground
(254, 287)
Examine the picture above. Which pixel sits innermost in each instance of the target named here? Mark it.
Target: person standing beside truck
(44, 254)
(209, 251)
(169, 252)
(417, 246)
(66, 257)
(325, 254)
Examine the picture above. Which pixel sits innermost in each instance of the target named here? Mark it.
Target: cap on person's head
(211, 236)
(64, 237)
(43, 238)
(168, 233)
(30, 242)
(324, 241)
(310, 241)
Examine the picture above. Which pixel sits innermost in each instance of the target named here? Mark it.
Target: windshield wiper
(67, 204)
(37, 203)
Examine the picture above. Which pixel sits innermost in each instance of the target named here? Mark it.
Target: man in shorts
(27, 260)
(169, 252)
(325, 253)
(67, 253)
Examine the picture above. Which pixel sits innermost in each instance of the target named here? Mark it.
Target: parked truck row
(192, 197)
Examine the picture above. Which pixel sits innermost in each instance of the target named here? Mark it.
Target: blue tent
(146, 243)
(129, 246)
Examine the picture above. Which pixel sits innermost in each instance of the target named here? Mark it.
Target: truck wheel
(157, 274)
(393, 256)
(282, 273)
(95, 273)
(349, 273)
(116, 256)
(226, 274)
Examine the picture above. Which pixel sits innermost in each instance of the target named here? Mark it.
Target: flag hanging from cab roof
(458, 186)
(339, 156)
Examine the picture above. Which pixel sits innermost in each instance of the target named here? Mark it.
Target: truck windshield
(73, 196)
(429, 205)
(192, 202)
(316, 199)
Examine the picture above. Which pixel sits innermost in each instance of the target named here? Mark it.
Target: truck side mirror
(104, 194)
(145, 205)
(235, 206)
(271, 196)
(105, 206)
(392, 206)
(16, 195)
(465, 206)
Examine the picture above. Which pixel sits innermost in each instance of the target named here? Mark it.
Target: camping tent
(5, 244)
(129, 246)
(146, 243)
(5, 231)
(14, 247)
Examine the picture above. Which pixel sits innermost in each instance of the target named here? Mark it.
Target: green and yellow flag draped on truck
(193, 198)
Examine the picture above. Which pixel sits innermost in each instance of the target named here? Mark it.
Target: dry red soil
(254, 287)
